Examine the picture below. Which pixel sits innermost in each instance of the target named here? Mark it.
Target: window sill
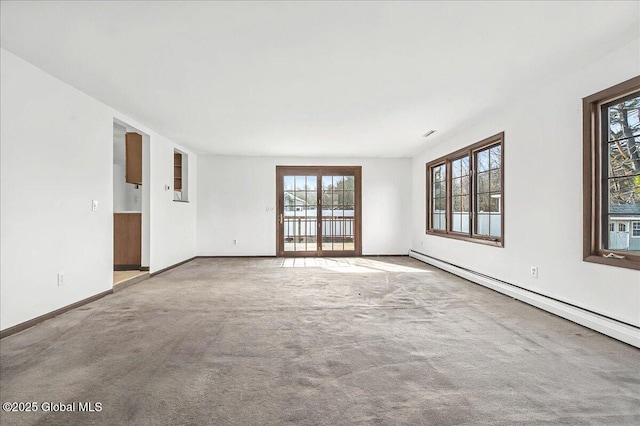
(180, 201)
(476, 240)
(620, 263)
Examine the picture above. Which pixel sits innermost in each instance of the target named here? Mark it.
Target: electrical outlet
(94, 205)
(61, 279)
(534, 271)
(235, 242)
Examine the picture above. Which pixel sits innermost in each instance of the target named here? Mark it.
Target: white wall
(56, 149)
(119, 173)
(173, 224)
(119, 189)
(543, 195)
(237, 199)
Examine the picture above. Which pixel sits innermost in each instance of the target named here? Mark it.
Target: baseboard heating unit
(619, 330)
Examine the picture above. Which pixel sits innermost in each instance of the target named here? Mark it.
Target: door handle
(281, 218)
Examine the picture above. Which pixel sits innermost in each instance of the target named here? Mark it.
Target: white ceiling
(311, 78)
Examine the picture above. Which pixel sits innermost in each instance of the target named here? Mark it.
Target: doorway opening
(130, 204)
(319, 210)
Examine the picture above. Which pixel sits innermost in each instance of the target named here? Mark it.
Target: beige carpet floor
(265, 341)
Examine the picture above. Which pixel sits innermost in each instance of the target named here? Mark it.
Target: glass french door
(318, 211)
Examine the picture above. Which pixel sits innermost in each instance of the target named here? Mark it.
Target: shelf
(177, 171)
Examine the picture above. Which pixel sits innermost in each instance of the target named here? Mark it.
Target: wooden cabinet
(177, 171)
(127, 241)
(133, 158)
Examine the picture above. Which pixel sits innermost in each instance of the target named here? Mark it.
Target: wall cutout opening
(180, 176)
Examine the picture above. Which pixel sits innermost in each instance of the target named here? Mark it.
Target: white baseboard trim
(605, 325)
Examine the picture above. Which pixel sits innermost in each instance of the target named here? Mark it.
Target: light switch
(94, 205)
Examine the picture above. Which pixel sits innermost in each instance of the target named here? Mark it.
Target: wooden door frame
(355, 171)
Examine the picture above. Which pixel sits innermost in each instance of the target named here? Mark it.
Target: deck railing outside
(307, 226)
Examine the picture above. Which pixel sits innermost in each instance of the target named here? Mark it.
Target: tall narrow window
(465, 198)
(488, 191)
(460, 195)
(612, 174)
(438, 214)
